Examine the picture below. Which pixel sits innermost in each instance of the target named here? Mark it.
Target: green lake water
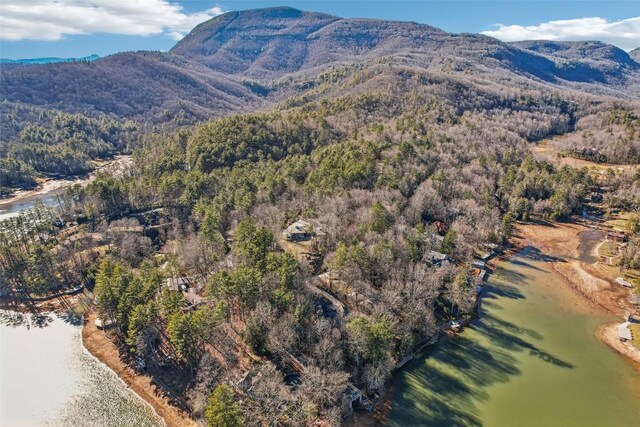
(532, 359)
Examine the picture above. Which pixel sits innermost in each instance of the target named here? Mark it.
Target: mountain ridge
(240, 61)
(48, 60)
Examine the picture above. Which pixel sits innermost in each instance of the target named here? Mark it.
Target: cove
(49, 379)
(530, 359)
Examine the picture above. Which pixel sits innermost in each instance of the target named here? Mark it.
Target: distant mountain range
(252, 60)
(48, 60)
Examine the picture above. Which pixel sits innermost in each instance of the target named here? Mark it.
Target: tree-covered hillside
(273, 267)
(39, 143)
(401, 190)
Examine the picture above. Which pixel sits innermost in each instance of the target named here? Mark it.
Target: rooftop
(300, 226)
(624, 332)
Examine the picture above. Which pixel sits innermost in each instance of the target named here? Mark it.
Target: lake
(49, 379)
(50, 190)
(11, 209)
(532, 359)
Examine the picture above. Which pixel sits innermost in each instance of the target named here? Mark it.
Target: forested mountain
(145, 86)
(406, 151)
(282, 57)
(241, 61)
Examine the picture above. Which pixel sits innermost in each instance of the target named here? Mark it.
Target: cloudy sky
(68, 28)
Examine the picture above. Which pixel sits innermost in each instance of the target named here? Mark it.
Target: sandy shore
(50, 185)
(562, 240)
(103, 349)
(608, 334)
(43, 188)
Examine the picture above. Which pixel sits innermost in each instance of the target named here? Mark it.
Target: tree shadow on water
(433, 397)
(16, 319)
(507, 275)
(447, 385)
(508, 336)
(521, 263)
(510, 327)
(503, 291)
(443, 389)
(534, 254)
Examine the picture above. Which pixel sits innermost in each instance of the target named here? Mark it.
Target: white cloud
(624, 33)
(53, 19)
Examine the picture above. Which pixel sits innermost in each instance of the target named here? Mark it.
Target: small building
(622, 282)
(104, 323)
(436, 258)
(486, 255)
(617, 236)
(482, 275)
(479, 264)
(299, 231)
(177, 283)
(624, 332)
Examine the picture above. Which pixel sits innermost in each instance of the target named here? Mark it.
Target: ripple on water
(75, 388)
(102, 399)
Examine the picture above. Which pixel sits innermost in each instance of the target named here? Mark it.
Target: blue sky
(70, 28)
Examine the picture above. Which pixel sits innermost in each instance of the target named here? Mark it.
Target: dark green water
(531, 360)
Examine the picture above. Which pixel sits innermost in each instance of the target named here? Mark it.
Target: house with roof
(301, 230)
(624, 332)
(620, 281)
(617, 236)
(479, 264)
(436, 258)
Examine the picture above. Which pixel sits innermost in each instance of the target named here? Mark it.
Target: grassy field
(621, 222)
(549, 151)
(608, 249)
(635, 334)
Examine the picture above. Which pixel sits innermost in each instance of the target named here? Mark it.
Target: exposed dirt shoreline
(608, 334)
(50, 185)
(42, 188)
(102, 348)
(587, 280)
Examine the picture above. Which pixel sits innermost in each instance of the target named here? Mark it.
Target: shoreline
(562, 239)
(44, 187)
(49, 185)
(608, 334)
(378, 416)
(100, 346)
(84, 348)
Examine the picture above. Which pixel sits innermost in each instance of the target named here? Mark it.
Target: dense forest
(390, 180)
(48, 143)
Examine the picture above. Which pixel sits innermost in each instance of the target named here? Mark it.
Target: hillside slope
(149, 86)
(231, 63)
